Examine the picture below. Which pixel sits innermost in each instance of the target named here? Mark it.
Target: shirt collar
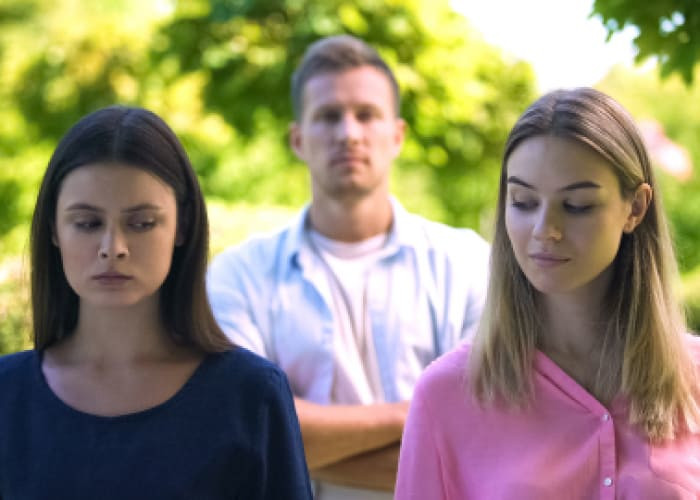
(404, 233)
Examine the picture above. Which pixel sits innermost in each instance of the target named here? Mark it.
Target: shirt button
(607, 481)
(605, 417)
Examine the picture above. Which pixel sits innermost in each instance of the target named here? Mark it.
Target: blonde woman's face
(564, 215)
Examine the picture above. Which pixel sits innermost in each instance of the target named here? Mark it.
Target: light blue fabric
(271, 295)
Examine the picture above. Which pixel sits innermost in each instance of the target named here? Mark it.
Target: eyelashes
(91, 225)
(530, 205)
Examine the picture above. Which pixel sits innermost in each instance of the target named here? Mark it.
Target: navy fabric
(230, 432)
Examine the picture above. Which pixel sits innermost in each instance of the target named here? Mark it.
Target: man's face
(348, 133)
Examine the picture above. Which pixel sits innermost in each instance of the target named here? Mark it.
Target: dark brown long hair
(138, 138)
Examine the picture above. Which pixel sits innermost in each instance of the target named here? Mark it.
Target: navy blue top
(230, 432)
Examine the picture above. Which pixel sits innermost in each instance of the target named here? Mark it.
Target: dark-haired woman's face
(116, 230)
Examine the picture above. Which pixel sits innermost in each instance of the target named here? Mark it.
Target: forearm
(332, 433)
(374, 470)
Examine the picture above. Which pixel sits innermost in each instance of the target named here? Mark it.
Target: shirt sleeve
(232, 301)
(283, 472)
(420, 474)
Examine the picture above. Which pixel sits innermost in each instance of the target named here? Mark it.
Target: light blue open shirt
(271, 295)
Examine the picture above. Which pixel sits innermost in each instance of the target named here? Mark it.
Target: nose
(547, 225)
(113, 244)
(348, 129)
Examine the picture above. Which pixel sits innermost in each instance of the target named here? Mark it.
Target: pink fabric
(566, 445)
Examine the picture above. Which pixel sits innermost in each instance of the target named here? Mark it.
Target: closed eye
(143, 225)
(524, 205)
(87, 225)
(577, 209)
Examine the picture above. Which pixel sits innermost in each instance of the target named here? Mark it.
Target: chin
(550, 286)
(115, 300)
(113, 303)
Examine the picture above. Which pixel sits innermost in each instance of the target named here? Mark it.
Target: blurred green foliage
(218, 72)
(677, 108)
(669, 30)
(14, 306)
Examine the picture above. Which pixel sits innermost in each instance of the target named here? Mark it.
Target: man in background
(357, 296)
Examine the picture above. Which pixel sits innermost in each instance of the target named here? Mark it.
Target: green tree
(219, 71)
(460, 96)
(677, 108)
(668, 30)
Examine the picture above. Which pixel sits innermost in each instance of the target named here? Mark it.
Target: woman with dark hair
(132, 390)
(581, 381)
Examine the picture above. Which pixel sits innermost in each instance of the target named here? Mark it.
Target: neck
(351, 220)
(572, 326)
(574, 321)
(118, 335)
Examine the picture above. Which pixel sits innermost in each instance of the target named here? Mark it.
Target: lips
(111, 278)
(546, 259)
(345, 158)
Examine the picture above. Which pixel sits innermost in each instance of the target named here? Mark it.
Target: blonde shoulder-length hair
(642, 348)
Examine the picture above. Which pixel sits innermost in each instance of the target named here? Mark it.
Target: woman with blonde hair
(582, 381)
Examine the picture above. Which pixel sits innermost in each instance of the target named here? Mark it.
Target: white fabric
(356, 378)
(271, 295)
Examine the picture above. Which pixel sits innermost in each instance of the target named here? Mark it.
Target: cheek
(517, 228)
(388, 141)
(158, 251)
(77, 257)
(608, 241)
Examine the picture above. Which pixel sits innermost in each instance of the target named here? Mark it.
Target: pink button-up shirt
(566, 445)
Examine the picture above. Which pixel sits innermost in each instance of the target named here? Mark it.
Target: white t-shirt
(347, 266)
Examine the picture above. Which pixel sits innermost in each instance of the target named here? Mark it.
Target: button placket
(608, 456)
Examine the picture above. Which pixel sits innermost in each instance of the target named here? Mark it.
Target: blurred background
(218, 72)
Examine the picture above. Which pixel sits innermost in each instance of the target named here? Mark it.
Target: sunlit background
(218, 71)
(566, 46)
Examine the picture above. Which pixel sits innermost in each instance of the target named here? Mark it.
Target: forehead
(553, 162)
(113, 184)
(363, 85)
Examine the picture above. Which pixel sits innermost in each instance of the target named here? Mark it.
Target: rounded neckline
(171, 401)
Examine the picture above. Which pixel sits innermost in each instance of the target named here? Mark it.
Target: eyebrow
(92, 208)
(336, 106)
(571, 187)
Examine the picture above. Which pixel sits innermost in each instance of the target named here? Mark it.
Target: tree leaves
(669, 30)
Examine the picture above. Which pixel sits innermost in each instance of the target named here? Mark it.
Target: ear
(400, 134)
(296, 140)
(640, 203)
